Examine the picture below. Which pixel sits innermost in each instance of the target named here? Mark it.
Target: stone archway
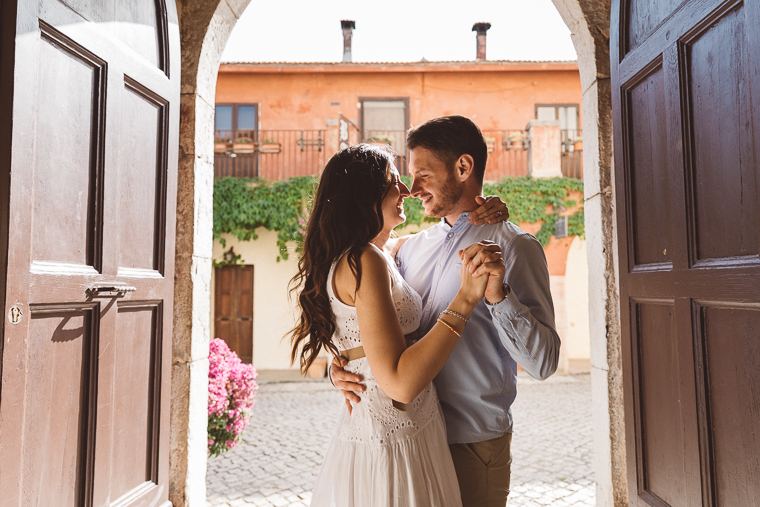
(204, 29)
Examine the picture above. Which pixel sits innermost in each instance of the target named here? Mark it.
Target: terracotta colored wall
(502, 99)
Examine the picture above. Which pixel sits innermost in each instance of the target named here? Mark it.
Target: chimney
(481, 28)
(348, 31)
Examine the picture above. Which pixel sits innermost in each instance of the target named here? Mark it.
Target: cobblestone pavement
(277, 462)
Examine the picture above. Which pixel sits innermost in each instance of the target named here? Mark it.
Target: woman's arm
(403, 372)
(491, 210)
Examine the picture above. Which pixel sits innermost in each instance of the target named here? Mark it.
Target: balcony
(281, 154)
(270, 154)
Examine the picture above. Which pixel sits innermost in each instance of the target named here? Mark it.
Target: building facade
(280, 120)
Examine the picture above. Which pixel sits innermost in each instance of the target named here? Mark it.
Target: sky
(398, 31)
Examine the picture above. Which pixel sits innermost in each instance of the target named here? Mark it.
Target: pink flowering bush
(231, 389)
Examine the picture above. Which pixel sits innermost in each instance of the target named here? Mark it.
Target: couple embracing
(427, 332)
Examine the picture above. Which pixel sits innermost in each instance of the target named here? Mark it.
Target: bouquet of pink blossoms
(231, 389)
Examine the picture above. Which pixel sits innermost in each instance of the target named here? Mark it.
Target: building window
(566, 114)
(231, 117)
(385, 120)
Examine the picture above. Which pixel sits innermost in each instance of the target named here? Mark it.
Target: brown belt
(358, 352)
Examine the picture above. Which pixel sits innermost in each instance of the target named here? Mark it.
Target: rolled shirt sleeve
(525, 318)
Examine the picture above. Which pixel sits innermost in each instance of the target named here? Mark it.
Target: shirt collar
(464, 218)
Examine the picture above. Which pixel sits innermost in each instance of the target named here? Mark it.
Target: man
(515, 323)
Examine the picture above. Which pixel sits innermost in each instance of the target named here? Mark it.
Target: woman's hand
(492, 210)
(485, 259)
(473, 286)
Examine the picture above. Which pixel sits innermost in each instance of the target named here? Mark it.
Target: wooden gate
(686, 111)
(84, 407)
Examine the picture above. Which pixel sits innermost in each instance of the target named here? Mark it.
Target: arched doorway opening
(205, 29)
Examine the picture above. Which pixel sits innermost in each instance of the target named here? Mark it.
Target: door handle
(110, 290)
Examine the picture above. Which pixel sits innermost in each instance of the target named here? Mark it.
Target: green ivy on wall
(533, 200)
(241, 205)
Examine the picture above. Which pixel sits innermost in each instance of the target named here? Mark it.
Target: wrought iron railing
(572, 153)
(271, 154)
(280, 154)
(507, 153)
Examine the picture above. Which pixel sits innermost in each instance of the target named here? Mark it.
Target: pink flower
(232, 387)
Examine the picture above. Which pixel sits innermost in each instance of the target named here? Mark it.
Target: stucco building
(278, 120)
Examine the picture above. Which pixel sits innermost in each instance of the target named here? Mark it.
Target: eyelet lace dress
(380, 456)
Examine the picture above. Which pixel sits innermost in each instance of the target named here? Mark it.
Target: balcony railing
(507, 153)
(280, 154)
(572, 153)
(271, 154)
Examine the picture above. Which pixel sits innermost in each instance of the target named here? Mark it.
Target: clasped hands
(483, 258)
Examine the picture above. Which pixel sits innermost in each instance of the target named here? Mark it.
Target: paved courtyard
(277, 462)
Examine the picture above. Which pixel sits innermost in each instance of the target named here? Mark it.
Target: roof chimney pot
(481, 28)
(348, 31)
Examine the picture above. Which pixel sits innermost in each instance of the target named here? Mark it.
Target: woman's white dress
(380, 456)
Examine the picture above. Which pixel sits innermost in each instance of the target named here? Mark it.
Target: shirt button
(438, 266)
(497, 313)
(451, 235)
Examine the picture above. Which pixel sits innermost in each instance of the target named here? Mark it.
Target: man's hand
(485, 257)
(347, 383)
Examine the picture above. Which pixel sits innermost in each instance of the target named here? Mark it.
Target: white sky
(398, 31)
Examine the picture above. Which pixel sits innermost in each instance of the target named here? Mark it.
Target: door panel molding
(94, 213)
(154, 309)
(711, 142)
(87, 407)
(732, 377)
(159, 177)
(162, 26)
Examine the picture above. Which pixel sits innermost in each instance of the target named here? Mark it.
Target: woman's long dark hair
(346, 215)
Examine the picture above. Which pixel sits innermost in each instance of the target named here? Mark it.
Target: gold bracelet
(450, 328)
(455, 314)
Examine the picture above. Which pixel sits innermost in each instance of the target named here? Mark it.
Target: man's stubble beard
(447, 198)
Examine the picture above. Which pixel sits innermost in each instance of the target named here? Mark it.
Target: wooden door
(84, 406)
(686, 111)
(233, 309)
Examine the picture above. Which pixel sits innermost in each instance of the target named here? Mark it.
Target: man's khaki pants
(483, 470)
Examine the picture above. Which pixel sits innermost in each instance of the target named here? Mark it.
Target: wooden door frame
(7, 60)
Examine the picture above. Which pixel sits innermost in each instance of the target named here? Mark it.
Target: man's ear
(464, 167)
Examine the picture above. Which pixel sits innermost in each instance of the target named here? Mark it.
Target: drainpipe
(348, 31)
(481, 28)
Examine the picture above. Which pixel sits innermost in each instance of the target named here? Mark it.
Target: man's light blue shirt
(478, 383)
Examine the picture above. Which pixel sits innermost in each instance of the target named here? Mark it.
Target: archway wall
(205, 27)
(589, 22)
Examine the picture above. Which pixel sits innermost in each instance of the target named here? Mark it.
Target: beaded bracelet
(455, 314)
(450, 327)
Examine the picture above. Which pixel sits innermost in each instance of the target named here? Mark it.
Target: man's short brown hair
(450, 137)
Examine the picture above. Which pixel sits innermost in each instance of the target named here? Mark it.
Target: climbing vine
(241, 205)
(533, 200)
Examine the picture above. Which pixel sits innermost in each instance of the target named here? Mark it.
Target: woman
(392, 450)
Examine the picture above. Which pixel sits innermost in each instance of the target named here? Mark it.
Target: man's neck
(463, 206)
